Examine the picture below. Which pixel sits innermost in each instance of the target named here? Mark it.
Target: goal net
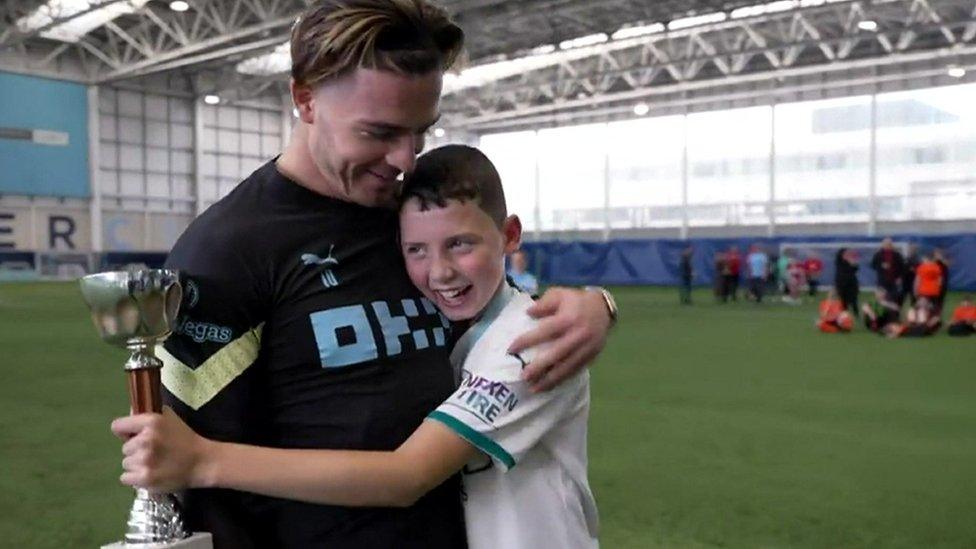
(63, 265)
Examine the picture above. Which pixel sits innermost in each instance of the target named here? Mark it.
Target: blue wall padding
(655, 262)
(28, 168)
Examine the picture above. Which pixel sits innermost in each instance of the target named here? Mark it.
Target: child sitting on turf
(833, 317)
(454, 234)
(963, 321)
(881, 313)
(920, 321)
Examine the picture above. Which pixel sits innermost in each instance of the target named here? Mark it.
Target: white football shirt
(529, 488)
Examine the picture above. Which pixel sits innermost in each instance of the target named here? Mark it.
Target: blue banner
(655, 262)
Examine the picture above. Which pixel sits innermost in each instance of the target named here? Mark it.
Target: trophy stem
(142, 370)
(154, 518)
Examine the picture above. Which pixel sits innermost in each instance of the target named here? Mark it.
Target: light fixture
(956, 71)
(179, 5)
(867, 25)
(641, 109)
(439, 132)
(211, 99)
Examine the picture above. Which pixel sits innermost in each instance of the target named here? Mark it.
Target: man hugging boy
(523, 453)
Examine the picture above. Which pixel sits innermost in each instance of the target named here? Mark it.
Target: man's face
(455, 255)
(366, 129)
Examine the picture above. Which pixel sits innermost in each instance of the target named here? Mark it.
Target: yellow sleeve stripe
(196, 387)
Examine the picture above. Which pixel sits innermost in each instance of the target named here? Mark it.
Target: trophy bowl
(133, 308)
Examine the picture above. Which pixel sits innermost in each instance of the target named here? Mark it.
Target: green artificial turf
(712, 426)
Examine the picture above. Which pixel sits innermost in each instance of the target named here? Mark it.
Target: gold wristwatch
(608, 299)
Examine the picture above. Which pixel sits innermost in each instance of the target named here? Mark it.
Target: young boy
(881, 313)
(833, 317)
(922, 320)
(963, 321)
(523, 454)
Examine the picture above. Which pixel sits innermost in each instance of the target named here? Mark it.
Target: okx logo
(344, 335)
(329, 279)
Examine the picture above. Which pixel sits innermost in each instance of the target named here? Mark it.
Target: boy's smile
(455, 255)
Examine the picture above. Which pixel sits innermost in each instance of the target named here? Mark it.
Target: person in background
(519, 274)
(783, 272)
(686, 272)
(795, 281)
(882, 312)
(929, 282)
(889, 265)
(733, 261)
(758, 263)
(912, 261)
(833, 318)
(845, 278)
(813, 267)
(721, 266)
(922, 320)
(963, 321)
(943, 263)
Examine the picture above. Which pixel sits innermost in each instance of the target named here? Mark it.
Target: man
(319, 339)
(908, 276)
(846, 283)
(686, 272)
(813, 267)
(940, 259)
(721, 266)
(758, 263)
(889, 265)
(733, 263)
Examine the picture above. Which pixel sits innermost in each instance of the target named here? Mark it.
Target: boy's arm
(165, 454)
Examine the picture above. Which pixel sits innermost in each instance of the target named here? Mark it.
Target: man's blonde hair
(334, 37)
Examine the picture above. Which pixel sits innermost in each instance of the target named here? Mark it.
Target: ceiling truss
(200, 48)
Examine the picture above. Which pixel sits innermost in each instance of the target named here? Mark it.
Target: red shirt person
(813, 267)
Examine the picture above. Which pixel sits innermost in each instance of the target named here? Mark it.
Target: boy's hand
(161, 452)
(573, 325)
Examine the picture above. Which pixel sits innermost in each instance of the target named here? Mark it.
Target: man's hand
(573, 325)
(161, 453)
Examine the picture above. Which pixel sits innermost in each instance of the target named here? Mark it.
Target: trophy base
(199, 540)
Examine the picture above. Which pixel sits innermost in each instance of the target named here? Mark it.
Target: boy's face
(456, 255)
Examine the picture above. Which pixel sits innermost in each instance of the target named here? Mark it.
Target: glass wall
(572, 177)
(927, 154)
(891, 157)
(728, 166)
(645, 175)
(514, 157)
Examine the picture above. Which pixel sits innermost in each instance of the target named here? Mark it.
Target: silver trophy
(137, 309)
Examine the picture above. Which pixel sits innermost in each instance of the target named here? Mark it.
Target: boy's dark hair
(456, 172)
(334, 37)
